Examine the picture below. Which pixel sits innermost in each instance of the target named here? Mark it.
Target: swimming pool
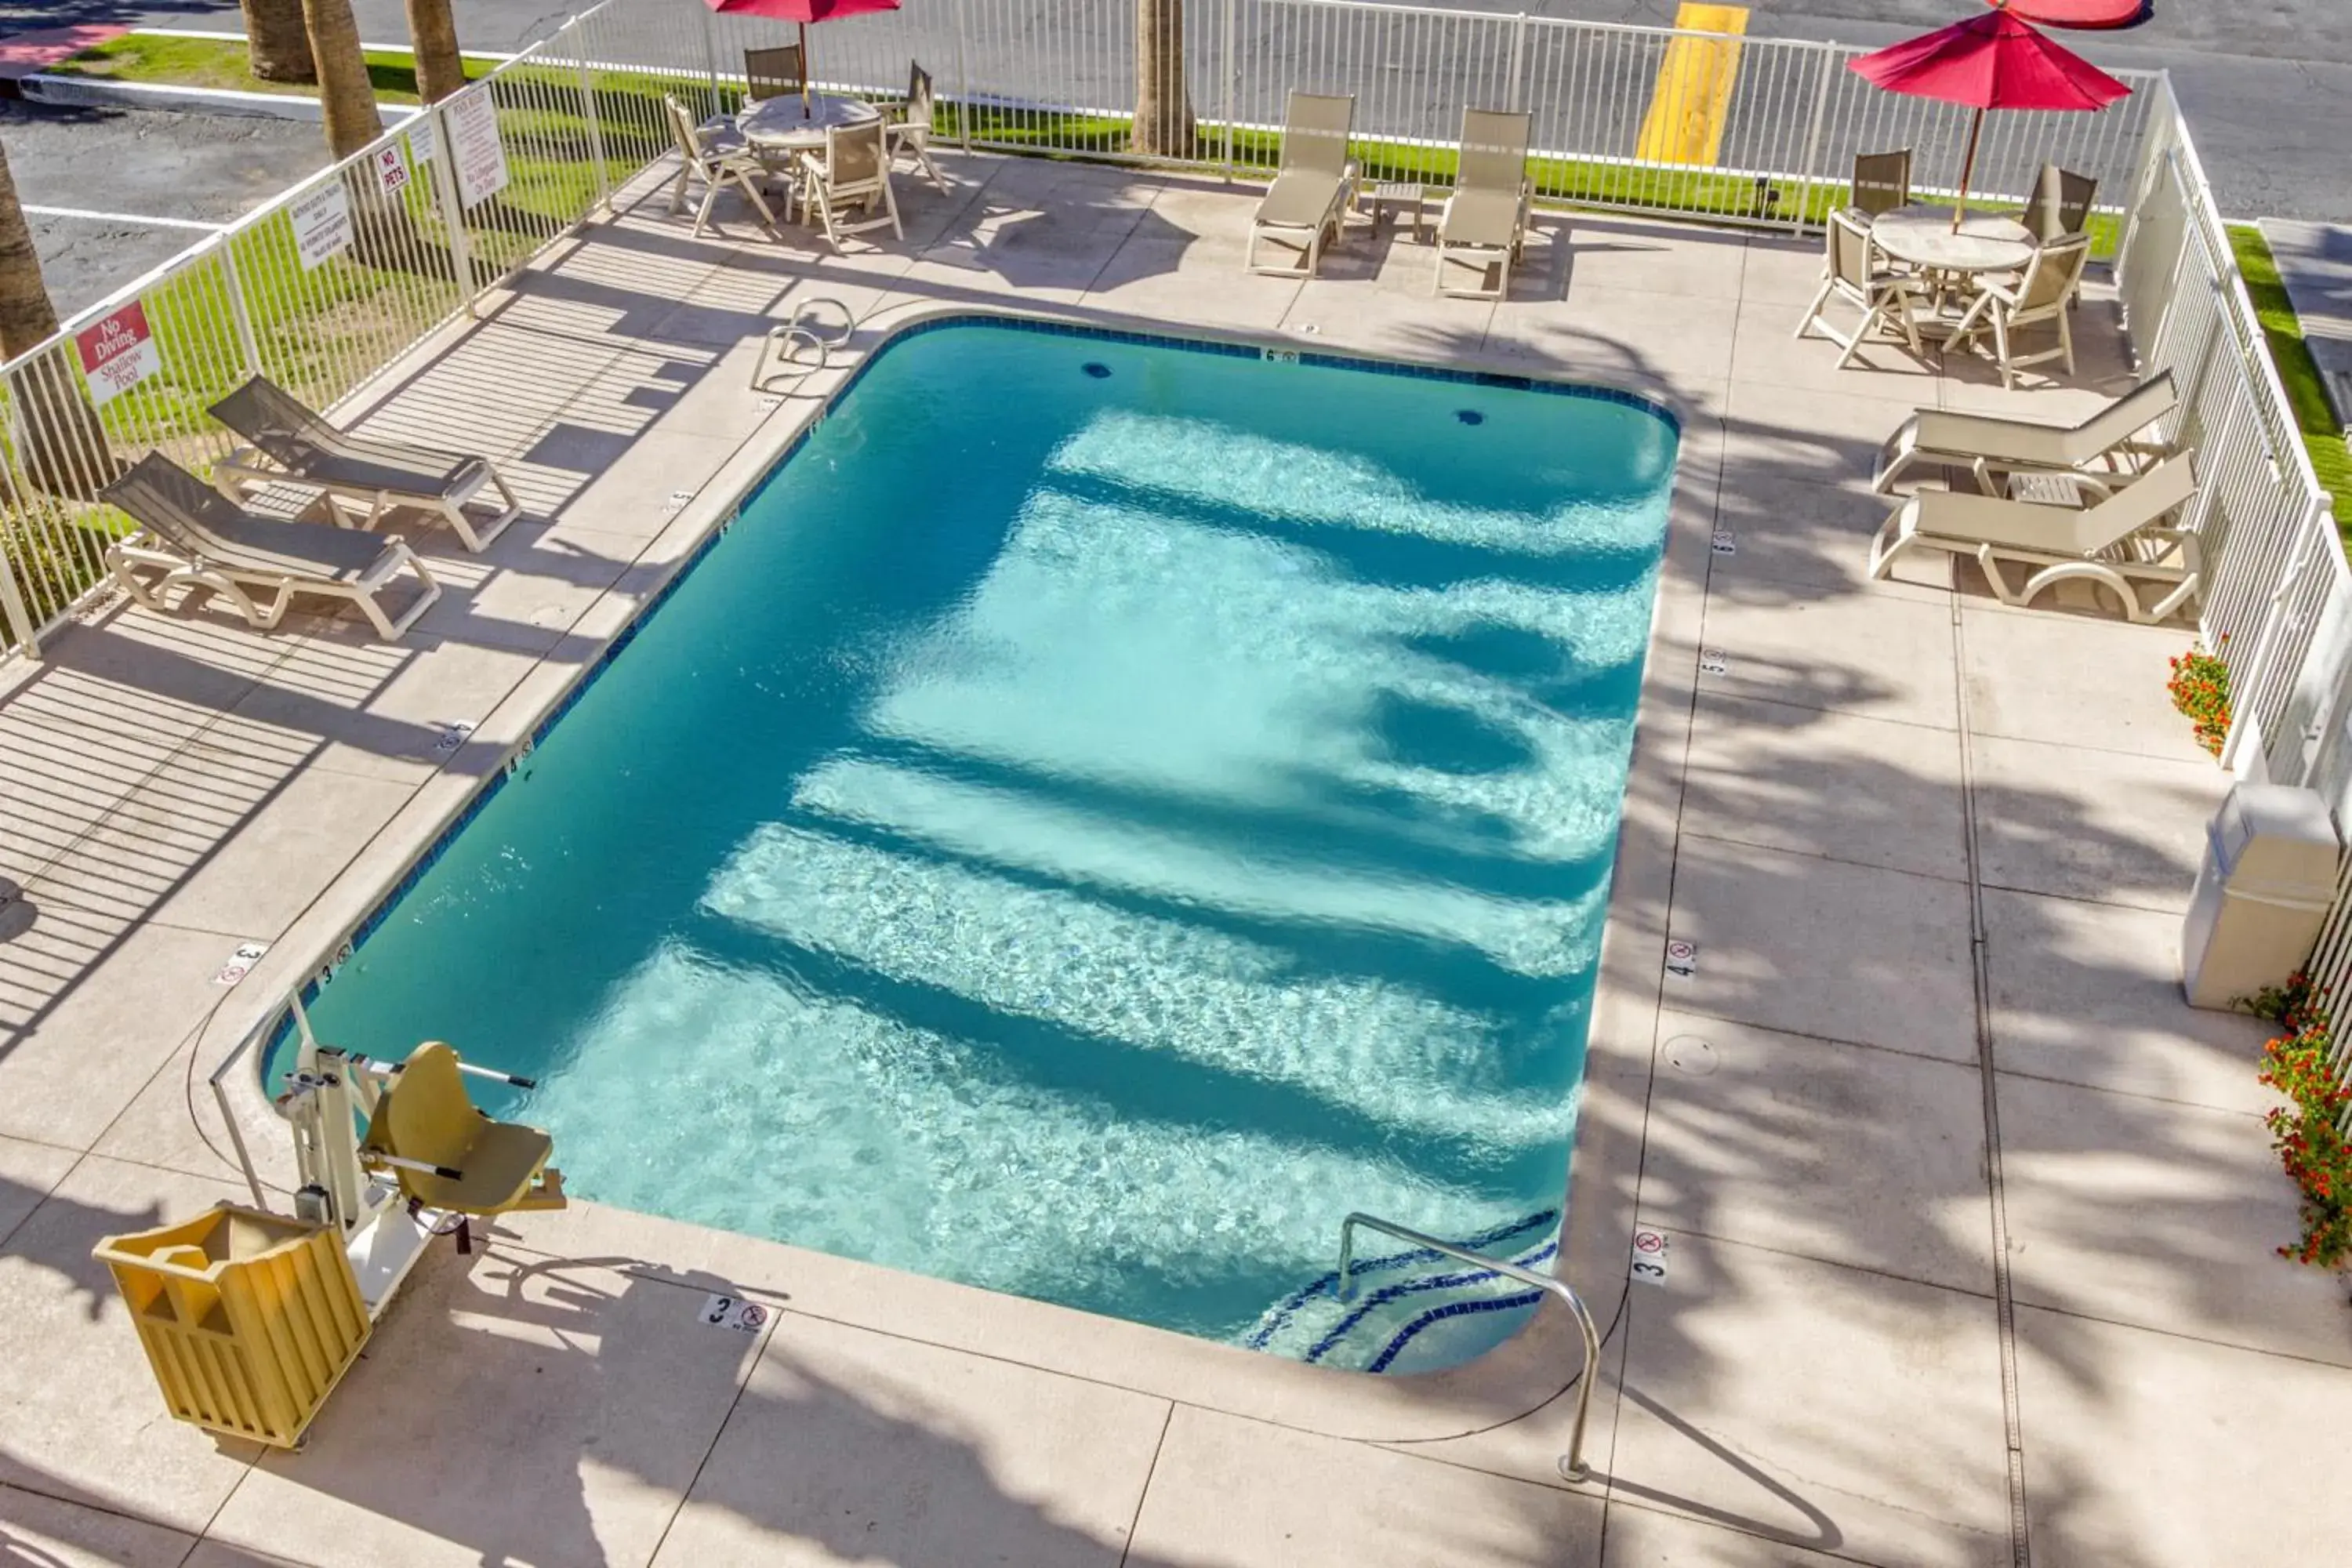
(1106, 809)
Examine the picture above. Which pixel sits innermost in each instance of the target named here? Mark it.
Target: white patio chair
(1855, 272)
(910, 134)
(2039, 295)
(706, 156)
(853, 176)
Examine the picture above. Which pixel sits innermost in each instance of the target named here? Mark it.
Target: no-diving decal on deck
(1714, 661)
(734, 1312)
(1725, 542)
(240, 962)
(1681, 958)
(1649, 1255)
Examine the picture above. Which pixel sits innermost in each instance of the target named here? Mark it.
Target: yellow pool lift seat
(448, 1152)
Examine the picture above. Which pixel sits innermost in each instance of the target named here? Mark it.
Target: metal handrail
(1571, 1464)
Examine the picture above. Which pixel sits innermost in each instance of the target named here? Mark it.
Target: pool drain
(1095, 368)
(1469, 417)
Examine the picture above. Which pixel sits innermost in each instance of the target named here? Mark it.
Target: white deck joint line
(1980, 973)
(145, 218)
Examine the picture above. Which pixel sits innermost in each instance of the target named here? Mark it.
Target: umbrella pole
(804, 75)
(1968, 168)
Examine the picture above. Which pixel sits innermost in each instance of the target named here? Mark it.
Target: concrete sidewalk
(1970, 1221)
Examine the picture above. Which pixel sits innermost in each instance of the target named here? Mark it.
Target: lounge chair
(852, 177)
(364, 478)
(2117, 540)
(910, 134)
(1306, 205)
(720, 161)
(1882, 181)
(1854, 271)
(192, 534)
(2043, 294)
(2106, 451)
(446, 1154)
(1485, 219)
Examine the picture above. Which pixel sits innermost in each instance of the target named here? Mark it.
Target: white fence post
(1518, 61)
(236, 306)
(589, 112)
(1814, 135)
(1233, 75)
(12, 604)
(453, 208)
(963, 75)
(710, 63)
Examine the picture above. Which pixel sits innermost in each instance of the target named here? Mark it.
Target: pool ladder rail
(1571, 1464)
(802, 346)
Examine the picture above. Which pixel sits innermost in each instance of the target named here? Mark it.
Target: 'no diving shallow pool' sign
(117, 352)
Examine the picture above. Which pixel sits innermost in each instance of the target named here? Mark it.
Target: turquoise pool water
(1106, 810)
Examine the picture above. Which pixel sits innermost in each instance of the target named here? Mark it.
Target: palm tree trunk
(433, 32)
(344, 90)
(1163, 108)
(57, 435)
(277, 43)
(26, 317)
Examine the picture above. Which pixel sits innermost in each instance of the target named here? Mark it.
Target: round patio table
(785, 125)
(1923, 236)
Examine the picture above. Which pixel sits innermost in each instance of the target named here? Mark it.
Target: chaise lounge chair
(1485, 219)
(364, 478)
(192, 534)
(2117, 540)
(2104, 449)
(1308, 201)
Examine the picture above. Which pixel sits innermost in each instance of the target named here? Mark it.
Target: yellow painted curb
(1684, 122)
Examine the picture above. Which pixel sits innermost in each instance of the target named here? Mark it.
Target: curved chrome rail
(1571, 1464)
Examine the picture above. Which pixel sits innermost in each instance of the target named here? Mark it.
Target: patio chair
(773, 72)
(2117, 540)
(1882, 181)
(2040, 295)
(1306, 205)
(1853, 272)
(2061, 204)
(1485, 219)
(2105, 451)
(448, 1153)
(909, 135)
(364, 478)
(719, 164)
(853, 174)
(193, 535)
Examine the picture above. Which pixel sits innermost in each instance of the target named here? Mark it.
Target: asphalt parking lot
(94, 181)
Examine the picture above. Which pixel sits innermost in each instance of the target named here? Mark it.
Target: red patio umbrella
(803, 12)
(1993, 61)
(2078, 13)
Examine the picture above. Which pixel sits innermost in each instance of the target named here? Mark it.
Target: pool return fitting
(250, 1318)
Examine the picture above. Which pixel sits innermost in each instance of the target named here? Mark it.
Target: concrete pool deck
(1932, 852)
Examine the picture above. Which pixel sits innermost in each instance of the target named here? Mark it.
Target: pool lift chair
(427, 1163)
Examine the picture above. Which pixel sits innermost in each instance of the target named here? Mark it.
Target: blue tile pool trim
(1381, 1361)
(383, 909)
(1327, 1284)
(1397, 1292)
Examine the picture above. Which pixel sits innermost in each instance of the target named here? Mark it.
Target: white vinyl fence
(324, 286)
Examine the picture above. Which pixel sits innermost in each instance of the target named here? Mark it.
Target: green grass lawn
(222, 63)
(2323, 437)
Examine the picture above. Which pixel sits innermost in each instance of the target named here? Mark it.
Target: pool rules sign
(474, 142)
(117, 352)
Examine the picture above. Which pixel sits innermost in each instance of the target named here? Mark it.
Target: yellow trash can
(249, 1318)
